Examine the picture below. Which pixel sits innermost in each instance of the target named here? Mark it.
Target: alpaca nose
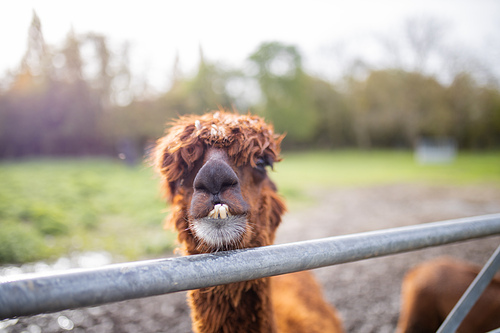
(215, 177)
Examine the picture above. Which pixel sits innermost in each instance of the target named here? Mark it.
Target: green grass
(79, 205)
(326, 169)
(52, 207)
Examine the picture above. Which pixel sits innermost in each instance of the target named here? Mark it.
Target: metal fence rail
(78, 288)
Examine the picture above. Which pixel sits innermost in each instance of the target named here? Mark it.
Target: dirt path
(366, 293)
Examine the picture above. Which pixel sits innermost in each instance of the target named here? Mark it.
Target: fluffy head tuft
(245, 138)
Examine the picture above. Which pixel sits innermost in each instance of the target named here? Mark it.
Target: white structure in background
(436, 151)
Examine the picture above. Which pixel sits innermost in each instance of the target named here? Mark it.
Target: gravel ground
(366, 293)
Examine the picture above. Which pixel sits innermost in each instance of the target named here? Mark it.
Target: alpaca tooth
(216, 211)
(220, 211)
(223, 212)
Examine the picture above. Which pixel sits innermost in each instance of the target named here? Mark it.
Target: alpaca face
(218, 212)
(214, 173)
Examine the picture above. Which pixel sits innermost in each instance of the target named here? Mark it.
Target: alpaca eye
(262, 162)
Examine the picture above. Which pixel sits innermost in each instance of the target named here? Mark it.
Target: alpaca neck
(233, 307)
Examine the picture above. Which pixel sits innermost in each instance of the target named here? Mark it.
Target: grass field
(300, 171)
(51, 207)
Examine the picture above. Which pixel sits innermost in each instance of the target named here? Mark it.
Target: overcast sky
(229, 31)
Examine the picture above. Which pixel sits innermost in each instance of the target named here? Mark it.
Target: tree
(207, 90)
(424, 35)
(102, 82)
(21, 128)
(334, 127)
(37, 60)
(286, 91)
(396, 108)
(476, 112)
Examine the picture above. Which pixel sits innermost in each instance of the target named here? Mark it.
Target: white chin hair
(220, 233)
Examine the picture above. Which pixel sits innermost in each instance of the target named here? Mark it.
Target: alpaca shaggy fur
(213, 172)
(431, 290)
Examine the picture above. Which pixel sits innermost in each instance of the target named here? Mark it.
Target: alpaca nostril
(214, 177)
(216, 199)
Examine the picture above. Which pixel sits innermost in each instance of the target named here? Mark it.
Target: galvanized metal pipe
(78, 288)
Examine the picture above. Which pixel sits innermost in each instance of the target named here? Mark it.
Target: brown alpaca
(213, 170)
(431, 290)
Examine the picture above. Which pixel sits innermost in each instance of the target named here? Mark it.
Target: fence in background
(89, 287)
(436, 151)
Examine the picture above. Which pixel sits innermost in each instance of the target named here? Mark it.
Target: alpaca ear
(166, 165)
(169, 187)
(174, 164)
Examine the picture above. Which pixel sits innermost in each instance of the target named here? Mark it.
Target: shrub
(47, 219)
(19, 243)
